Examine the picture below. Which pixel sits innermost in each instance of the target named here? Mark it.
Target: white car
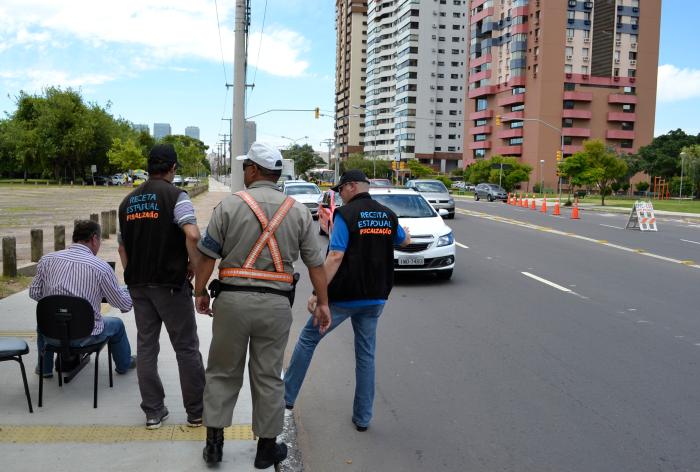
(304, 192)
(432, 247)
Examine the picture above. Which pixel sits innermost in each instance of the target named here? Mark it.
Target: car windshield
(302, 190)
(431, 187)
(380, 183)
(406, 206)
(497, 188)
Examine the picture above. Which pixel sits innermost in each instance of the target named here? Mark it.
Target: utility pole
(239, 72)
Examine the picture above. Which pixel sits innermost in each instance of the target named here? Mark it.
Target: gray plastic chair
(12, 349)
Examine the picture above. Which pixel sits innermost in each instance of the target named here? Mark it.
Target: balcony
(480, 60)
(479, 115)
(577, 114)
(576, 132)
(485, 74)
(619, 134)
(511, 100)
(510, 133)
(481, 91)
(509, 150)
(517, 81)
(481, 15)
(480, 145)
(571, 149)
(619, 116)
(622, 98)
(512, 116)
(521, 28)
(480, 130)
(579, 96)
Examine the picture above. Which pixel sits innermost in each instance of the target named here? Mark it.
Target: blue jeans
(364, 324)
(113, 330)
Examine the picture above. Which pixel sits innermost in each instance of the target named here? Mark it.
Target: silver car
(436, 193)
(304, 192)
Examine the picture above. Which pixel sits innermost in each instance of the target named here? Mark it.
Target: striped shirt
(184, 211)
(77, 272)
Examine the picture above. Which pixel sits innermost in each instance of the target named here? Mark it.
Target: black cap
(162, 154)
(353, 175)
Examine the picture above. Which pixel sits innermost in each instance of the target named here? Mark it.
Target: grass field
(10, 285)
(683, 206)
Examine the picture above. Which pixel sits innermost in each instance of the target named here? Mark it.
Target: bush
(445, 180)
(642, 186)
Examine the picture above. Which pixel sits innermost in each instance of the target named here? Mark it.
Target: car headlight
(446, 240)
(450, 200)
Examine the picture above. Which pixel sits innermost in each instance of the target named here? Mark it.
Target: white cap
(264, 155)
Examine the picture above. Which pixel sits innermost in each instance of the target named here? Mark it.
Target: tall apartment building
(351, 44)
(192, 132)
(558, 72)
(161, 130)
(416, 75)
(140, 127)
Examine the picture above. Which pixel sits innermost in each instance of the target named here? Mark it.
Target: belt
(216, 287)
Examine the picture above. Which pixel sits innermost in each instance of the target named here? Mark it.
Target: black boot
(214, 449)
(269, 453)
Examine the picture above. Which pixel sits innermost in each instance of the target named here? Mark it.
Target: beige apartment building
(351, 46)
(558, 72)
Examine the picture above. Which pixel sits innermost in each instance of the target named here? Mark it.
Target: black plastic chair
(67, 319)
(12, 349)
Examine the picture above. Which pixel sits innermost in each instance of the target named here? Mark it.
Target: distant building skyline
(192, 132)
(140, 127)
(161, 130)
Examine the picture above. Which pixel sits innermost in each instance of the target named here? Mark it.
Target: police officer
(257, 234)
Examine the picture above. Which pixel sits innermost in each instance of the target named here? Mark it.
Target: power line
(257, 60)
(221, 44)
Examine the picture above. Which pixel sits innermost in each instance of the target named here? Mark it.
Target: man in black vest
(158, 249)
(360, 270)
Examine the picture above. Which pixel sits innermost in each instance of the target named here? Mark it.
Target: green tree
(661, 157)
(126, 155)
(691, 170)
(191, 154)
(418, 170)
(379, 167)
(303, 156)
(489, 170)
(595, 165)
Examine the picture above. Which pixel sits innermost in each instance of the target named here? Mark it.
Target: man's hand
(407, 239)
(311, 304)
(190, 271)
(201, 302)
(322, 318)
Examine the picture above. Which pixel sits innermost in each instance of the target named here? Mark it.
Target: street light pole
(542, 176)
(682, 162)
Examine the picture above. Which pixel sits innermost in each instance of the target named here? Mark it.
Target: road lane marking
(611, 226)
(523, 224)
(461, 245)
(546, 282)
(688, 241)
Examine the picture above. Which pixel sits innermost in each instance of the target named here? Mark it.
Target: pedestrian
(78, 272)
(257, 234)
(158, 249)
(360, 269)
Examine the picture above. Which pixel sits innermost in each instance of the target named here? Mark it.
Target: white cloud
(36, 79)
(160, 30)
(676, 84)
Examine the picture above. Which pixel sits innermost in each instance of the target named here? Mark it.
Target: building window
(568, 86)
(569, 33)
(568, 68)
(516, 124)
(481, 104)
(627, 125)
(629, 90)
(567, 123)
(476, 123)
(515, 141)
(520, 107)
(626, 144)
(479, 137)
(567, 140)
(479, 153)
(568, 104)
(628, 108)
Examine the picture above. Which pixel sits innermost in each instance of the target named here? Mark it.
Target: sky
(158, 61)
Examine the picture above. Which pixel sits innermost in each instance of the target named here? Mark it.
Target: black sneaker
(132, 365)
(361, 429)
(157, 421)
(47, 375)
(194, 422)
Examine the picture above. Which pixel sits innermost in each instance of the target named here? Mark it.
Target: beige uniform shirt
(233, 230)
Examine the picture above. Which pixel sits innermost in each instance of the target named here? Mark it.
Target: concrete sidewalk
(67, 434)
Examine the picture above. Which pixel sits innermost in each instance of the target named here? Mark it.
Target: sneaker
(157, 421)
(361, 429)
(194, 422)
(47, 375)
(132, 365)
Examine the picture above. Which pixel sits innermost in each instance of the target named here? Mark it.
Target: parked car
(98, 180)
(380, 183)
(178, 181)
(326, 208)
(191, 181)
(118, 179)
(490, 192)
(304, 192)
(432, 247)
(436, 193)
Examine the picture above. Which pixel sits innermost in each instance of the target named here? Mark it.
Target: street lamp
(294, 141)
(683, 154)
(542, 176)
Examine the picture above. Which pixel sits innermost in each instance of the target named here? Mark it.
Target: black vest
(367, 269)
(154, 244)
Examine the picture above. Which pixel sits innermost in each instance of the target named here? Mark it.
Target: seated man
(78, 272)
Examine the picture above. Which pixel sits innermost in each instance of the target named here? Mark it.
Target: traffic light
(498, 120)
(558, 155)
(317, 112)
(393, 165)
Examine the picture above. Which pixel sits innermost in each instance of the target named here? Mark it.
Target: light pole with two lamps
(683, 154)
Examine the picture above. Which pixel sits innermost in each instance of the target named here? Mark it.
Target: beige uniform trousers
(261, 320)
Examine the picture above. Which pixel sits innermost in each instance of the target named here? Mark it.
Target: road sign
(93, 168)
(642, 217)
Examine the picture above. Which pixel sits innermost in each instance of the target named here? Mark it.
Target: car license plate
(411, 260)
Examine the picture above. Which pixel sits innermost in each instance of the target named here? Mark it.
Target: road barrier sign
(642, 217)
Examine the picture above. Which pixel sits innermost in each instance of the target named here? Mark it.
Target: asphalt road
(549, 350)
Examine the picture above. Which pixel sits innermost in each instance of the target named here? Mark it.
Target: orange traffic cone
(508, 198)
(544, 204)
(574, 211)
(532, 205)
(556, 209)
(526, 202)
